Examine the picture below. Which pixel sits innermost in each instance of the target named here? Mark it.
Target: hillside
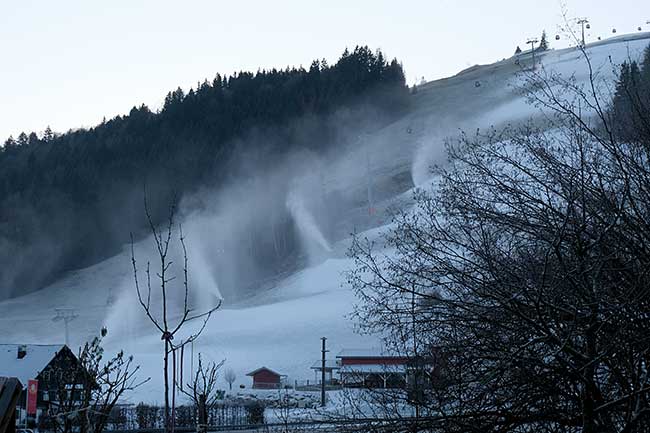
(70, 200)
(278, 320)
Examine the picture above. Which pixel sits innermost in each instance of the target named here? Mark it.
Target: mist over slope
(277, 320)
(68, 201)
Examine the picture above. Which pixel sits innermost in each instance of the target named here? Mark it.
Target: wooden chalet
(46, 364)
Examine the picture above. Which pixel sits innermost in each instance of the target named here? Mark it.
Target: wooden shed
(265, 378)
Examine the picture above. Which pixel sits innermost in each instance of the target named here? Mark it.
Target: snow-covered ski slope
(280, 327)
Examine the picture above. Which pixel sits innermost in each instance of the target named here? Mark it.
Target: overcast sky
(69, 63)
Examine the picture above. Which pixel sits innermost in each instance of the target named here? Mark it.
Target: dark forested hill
(69, 200)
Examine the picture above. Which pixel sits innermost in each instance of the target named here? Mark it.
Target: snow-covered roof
(254, 372)
(372, 368)
(36, 358)
(365, 353)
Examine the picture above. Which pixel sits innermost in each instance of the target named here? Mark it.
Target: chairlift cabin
(613, 30)
(557, 37)
(588, 26)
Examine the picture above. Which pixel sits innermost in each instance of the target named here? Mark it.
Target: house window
(46, 396)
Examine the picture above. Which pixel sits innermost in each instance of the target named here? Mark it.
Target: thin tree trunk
(166, 371)
(173, 390)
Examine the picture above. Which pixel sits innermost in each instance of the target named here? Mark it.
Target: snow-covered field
(280, 327)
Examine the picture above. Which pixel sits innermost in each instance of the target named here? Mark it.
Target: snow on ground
(280, 328)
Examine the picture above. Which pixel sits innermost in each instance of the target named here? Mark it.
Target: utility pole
(583, 22)
(322, 383)
(532, 43)
(66, 315)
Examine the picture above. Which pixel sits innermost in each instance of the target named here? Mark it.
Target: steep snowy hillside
(280, 324)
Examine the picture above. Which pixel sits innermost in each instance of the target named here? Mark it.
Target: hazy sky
(68, 63)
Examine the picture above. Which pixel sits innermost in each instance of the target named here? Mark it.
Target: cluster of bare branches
(526, 273)
(282, 412)
(88, 388)
(167, 325)
(203, 391)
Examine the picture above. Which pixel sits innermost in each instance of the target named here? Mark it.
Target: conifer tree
(630, 101)
(10, 143)
(23, 139)
(635, 75)
(623, 84)
(543, 44)
(621, 101)
(33, 139)
(48, 135)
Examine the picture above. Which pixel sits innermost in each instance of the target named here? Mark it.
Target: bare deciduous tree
(203, 391)
(282, 410)
(230, 377)
(168, 326)
(89, 388)
(528, 265)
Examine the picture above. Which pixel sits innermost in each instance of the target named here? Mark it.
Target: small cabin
(265, 378)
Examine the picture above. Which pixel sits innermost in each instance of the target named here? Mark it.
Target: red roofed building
(44, 363)
(371, 368)
(265, 378)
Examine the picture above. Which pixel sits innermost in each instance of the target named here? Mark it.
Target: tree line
(68, 200)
